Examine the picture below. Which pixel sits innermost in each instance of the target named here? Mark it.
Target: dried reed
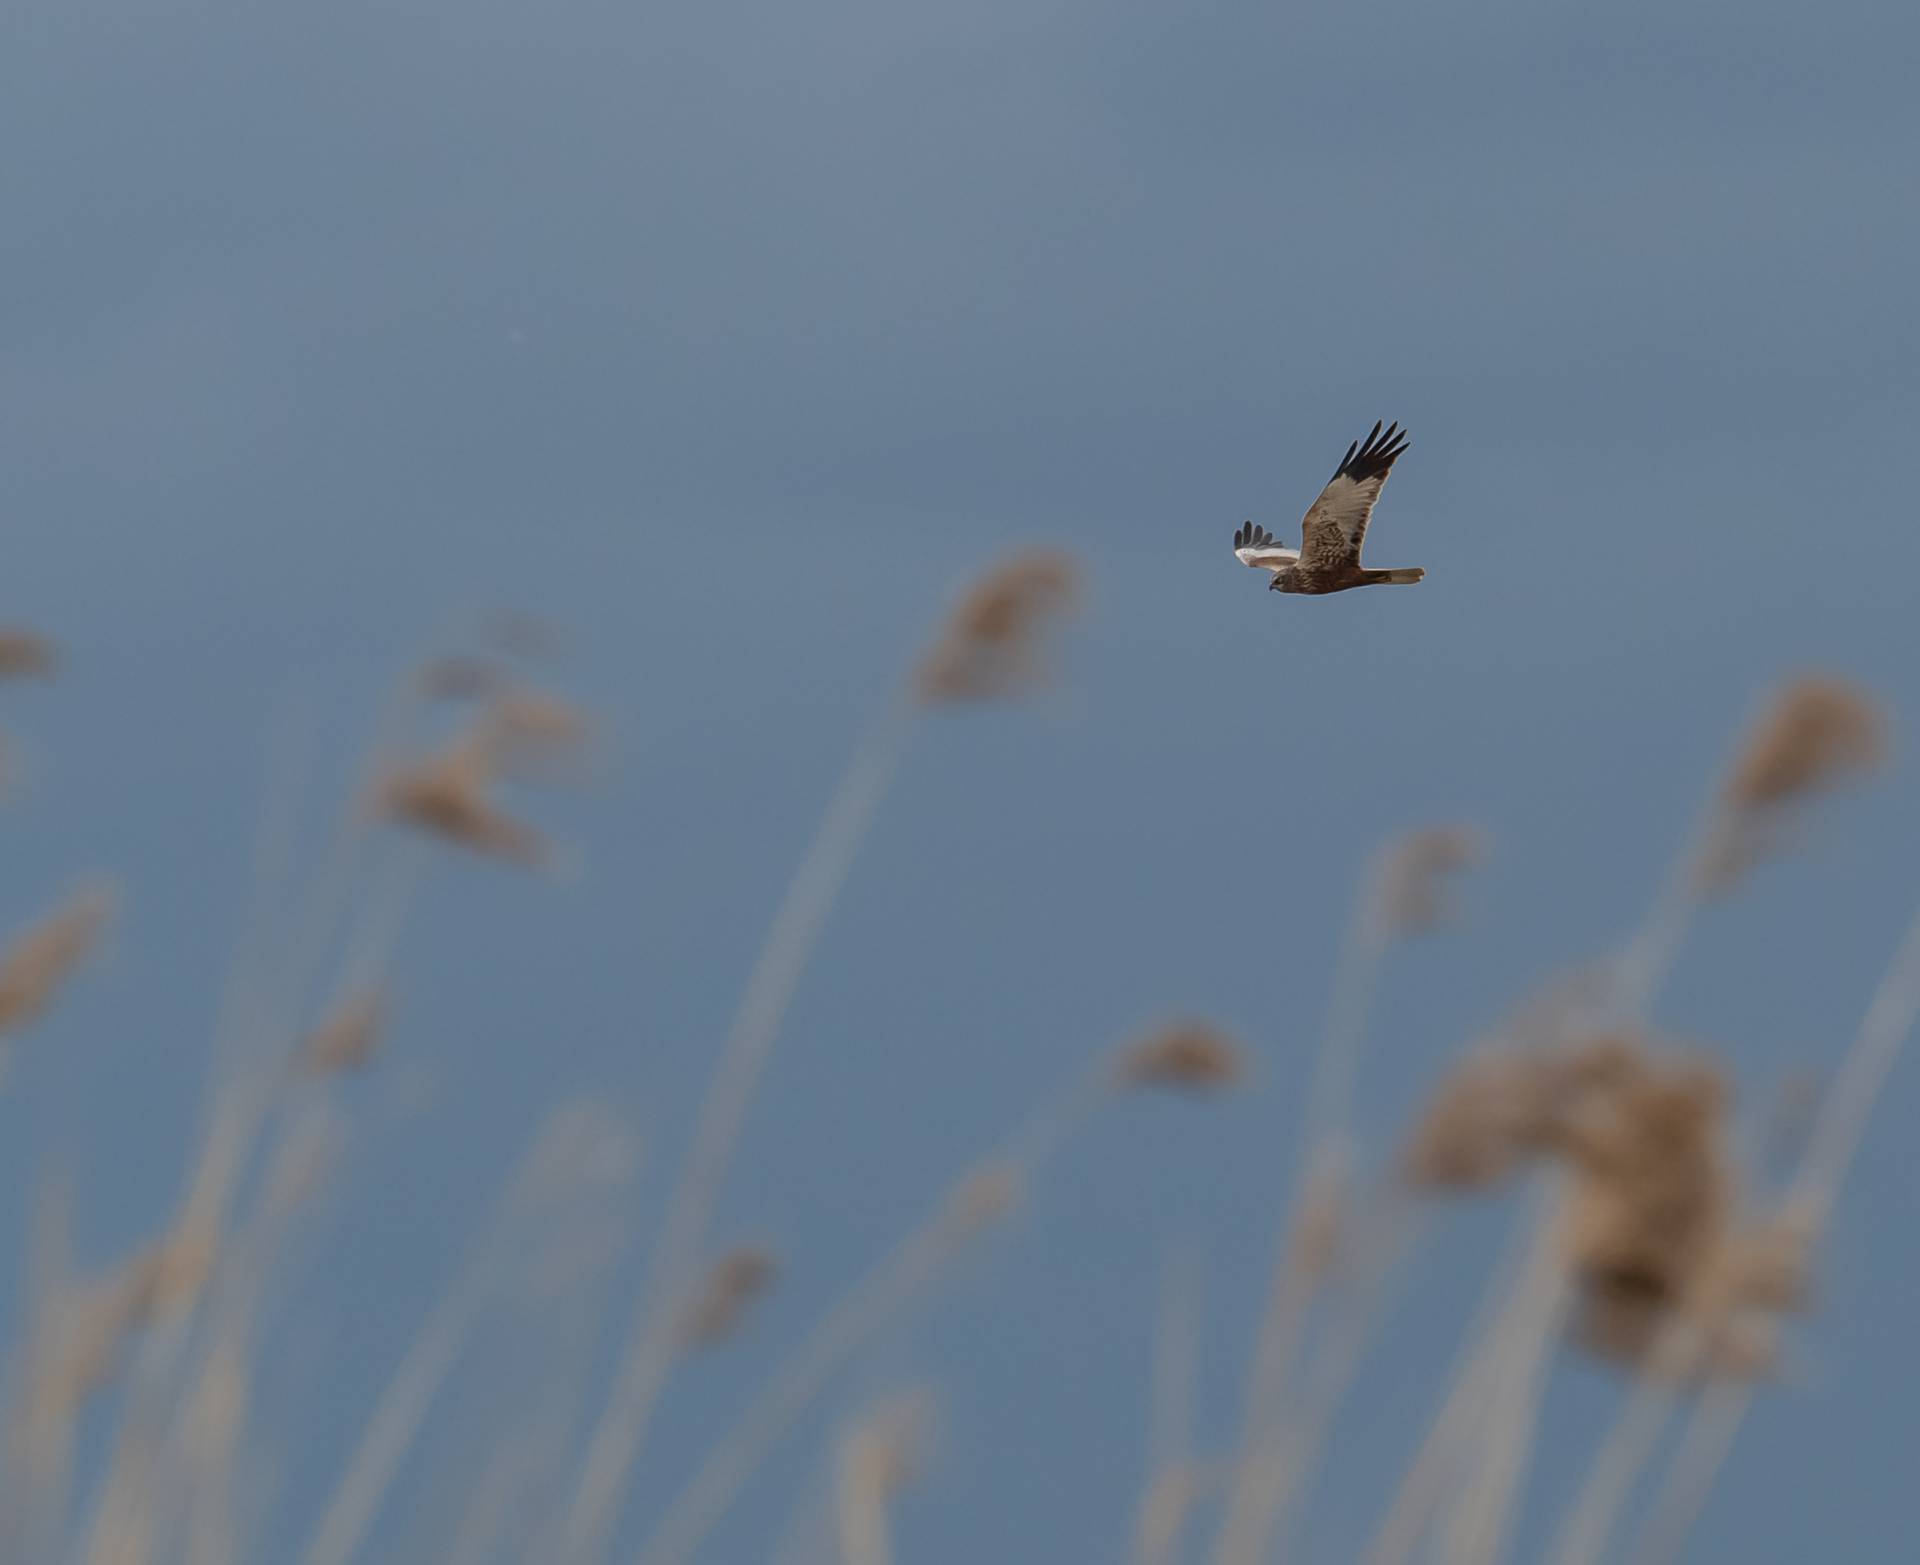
(1400, 895)
(577, 1149)
(978, 1200)
(42, 958)
(1812, 735)
(987, 648)
(1188, 1055)
(446, 796)
(1166, 1496)
(879, 1456)
(992, 645)
(1440, 1465)
(734, 1283)
(25, 653)
(1773, 1276)
(347, 1039)
(655, 1338)
(1516, 1375)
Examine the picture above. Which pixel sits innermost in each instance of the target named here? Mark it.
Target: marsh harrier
(1328, 559)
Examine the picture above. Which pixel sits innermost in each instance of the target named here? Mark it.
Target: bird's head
(1278, 578)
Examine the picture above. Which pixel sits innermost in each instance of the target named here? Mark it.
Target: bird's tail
(1403, 576)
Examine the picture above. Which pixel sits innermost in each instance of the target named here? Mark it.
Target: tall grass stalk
(1253, 1496)
(592, 1511)
(562, 1160)
(1440, 1465)
(1835, 1137)
(1166, 1493)
(894, 1282)
(1517, 1373)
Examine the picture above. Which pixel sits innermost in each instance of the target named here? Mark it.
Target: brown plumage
(1335, 526)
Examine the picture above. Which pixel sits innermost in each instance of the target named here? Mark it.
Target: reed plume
(1814, 734)
(347, 1039)
(734, 1284)
(879, 1456)
(446, 796)
(1186, 1055)
(1768, 1274)
(1400, 894)
(993, 643)
(43, 957)
(979, 1199)
(25, 653)
(1170, 1487)
(987, 647)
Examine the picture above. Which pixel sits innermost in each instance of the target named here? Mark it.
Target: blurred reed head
(993, 642)
(983, 1196)
(1815, 735)
(446, 796)
(888, 1446)
(25, 653)
(1410, 887)
(41, 959)
(1184, 1055)
(733, 1284)
(1652, 1190)
(1651, 1228)
(525, 732)
(1502, 1108)
(347, 1038)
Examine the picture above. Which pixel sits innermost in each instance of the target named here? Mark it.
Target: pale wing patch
(1335, 525)
(1255, 546)
(1270, 559)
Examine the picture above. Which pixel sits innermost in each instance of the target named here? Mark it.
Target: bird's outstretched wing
(1255, 546)
(1336, 524)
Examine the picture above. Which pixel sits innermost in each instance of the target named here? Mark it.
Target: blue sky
(730, 338)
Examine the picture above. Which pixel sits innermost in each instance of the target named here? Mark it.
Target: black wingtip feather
(1373, 456)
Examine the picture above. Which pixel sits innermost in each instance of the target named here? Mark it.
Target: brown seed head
(1816, 734)
(1652, 1189)
(446, 795)
(1500, 1109)
(992, 643)
(733, 1283)
(1411, 886)
(1189, 1054)
(347, 1038)
(528, 730)
(24, 652)
(984, 1196)
(42, 958)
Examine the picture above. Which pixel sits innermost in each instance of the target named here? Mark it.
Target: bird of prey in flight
(1328, 559)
